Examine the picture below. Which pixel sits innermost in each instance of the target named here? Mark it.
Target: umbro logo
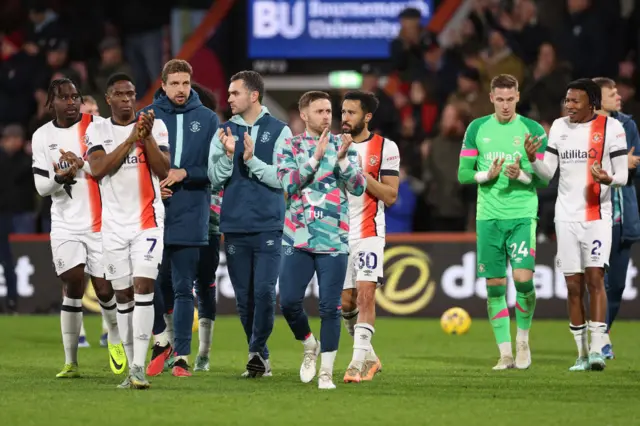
(53, 146)
(270, 242)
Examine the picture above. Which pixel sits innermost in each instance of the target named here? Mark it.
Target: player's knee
(574, 288)
(124, 296)
(103, 289)
(349, 300)
(329, 310)
(522, 275)
(496, 282)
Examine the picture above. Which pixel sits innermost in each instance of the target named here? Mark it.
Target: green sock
(525, 304)
(499, 313)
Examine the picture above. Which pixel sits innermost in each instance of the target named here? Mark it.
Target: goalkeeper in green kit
(493, 157)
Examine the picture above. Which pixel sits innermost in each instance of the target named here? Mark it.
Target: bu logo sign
(274, 18)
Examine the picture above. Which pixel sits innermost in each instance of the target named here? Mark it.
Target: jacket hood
(237, 119)
(162, 101)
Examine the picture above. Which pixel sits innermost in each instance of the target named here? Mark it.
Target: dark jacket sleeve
(633, 141)
(198, 174)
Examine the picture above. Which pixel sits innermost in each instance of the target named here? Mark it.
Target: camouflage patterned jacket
(317, 209)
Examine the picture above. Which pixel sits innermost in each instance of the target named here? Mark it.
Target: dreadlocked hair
(591, 88)
(54, 87)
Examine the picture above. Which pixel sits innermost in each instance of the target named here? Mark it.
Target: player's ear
(517, 96)
(491, 97)
(303, 116)
(367, 117)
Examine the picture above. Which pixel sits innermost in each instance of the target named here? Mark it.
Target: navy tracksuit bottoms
(253, 261)
(298, 267)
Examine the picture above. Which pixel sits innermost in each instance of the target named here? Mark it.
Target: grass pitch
(428, 378)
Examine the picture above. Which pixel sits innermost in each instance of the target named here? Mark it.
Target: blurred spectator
(19, 190)
(44, 28)
(295, 122)
(444, 194)
(545, 85)
(111, 62)
(399, 217)
(140, 25)
(406, 50)
(498, 58)
(17, 76)
(440, 69)
(471, 91)
(386, 119)
(581, 39)
(89, 106)
(524, 29)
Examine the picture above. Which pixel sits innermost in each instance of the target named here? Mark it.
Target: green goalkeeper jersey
(485, 140)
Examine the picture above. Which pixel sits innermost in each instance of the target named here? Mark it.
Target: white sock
(327, 359)
(522, 335)
(110, 320)
(361, 344)
(83, 333)
(371, 355)
(505, 349)
(205, 336)
(598, 332)
(582, 340)
(70, 324)
(310, 343)
(161, 339)
(349, 320)
(143, 315)
(168, 320)
(125, 326)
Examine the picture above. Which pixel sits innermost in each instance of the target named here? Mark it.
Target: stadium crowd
(432, 94)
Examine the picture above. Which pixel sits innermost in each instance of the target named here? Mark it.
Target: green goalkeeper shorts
(499, 241)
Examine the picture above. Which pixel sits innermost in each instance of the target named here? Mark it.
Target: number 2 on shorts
(522, 250)
(154, 241)
(596, 248)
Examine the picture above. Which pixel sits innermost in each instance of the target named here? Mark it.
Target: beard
(355, 130)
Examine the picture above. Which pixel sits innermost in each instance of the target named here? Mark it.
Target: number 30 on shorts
(518, 251)
(368, 260)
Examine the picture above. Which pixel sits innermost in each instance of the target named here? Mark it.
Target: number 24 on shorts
(522, 250)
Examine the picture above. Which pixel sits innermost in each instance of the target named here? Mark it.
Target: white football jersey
(75, 208)
(379, 157)
(577, 146)
(131, 194)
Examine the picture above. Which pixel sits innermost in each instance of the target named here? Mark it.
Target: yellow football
(455, 321)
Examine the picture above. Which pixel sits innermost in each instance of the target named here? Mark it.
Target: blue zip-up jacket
(191, 129)
(630, 215)
(253, 197)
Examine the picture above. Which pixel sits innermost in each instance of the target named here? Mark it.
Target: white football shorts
(136, 254)
(583, 245)
(71, 250)
(366, 261)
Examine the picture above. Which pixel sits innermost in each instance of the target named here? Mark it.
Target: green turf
(429, 378)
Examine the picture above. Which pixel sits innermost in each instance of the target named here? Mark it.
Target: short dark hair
(207, 97)
(175, 66)
(119, 76)
(368, 101)
(592, 90)
(504, 81)
(312, 96)
(54, 88)
(605, 82)
(252, 80)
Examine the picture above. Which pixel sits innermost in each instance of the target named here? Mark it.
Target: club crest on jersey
(373, 160)
(195, 126)
(265, 137)
(597, 137)
(517, 140)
